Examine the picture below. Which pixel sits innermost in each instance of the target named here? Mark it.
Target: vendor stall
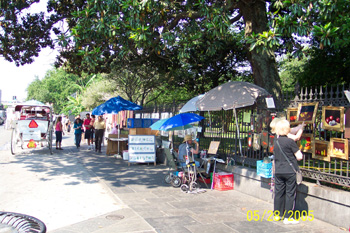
(112, 143)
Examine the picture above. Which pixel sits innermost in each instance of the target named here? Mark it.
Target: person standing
(285, 176)
(69, 126)
(78, 125)
(59, 133)
(92, 135)
(100, 126)
(64, 123)
(87, 130)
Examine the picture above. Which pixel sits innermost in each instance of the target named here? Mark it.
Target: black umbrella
(231, 95)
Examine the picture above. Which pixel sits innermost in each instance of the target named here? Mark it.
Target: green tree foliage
(325, 24)
(136, 82)
(23, 36)
(98, 92)
(200, 35)
(290, 70)
(321, 68)
(326, 67)
(163, 33)
(74, 105)
(57, 87)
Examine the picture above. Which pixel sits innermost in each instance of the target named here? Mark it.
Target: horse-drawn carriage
(33, 126)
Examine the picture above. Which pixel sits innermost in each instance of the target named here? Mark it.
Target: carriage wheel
(50, 142)
(14, 141)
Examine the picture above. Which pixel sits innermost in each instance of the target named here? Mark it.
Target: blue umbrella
(156, 125)
(115, 105)
(180, 120)
(159, 123)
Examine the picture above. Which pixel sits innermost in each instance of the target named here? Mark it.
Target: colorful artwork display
(250, 139)
(339, 148)
(292, 114)
(256, 141)
(305, 142)
(271, 143)
(320, 150)
(307, 112)
(264, 139)
(333, 118)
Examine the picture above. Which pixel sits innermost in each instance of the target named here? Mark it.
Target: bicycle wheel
(193, 186)
(176, 182)
(167, 178)
(184, 188)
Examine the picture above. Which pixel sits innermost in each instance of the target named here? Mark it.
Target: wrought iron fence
(254, 121)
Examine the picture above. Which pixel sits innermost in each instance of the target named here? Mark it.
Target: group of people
(91, 128)
(286, 156)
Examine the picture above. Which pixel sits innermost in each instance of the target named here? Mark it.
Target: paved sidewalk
(127, 198)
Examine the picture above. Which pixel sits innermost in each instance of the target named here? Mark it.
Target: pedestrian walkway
(131, 198)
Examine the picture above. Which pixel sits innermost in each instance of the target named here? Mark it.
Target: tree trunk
(263, 64)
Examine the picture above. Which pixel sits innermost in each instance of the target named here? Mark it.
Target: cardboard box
(143, 131)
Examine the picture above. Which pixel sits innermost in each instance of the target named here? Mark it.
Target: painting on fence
(271, 143)
(320, 150)
(339, 148)
(250, 139)
(256, 141)
(264, 139)
(347, 124)
(292, 114)
(333, 118)
(305, 142)
(307, 112)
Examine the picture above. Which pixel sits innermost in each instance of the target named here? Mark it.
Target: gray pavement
(77, 190)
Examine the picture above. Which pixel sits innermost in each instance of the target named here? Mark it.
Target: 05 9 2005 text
(256, 215)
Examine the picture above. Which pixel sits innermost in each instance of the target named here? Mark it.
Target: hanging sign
(142, 149)
(269, 102)
(246, 117)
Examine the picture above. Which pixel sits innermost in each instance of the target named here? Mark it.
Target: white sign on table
(142, 149)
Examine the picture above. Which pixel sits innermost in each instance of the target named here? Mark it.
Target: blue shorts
(58, 136)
